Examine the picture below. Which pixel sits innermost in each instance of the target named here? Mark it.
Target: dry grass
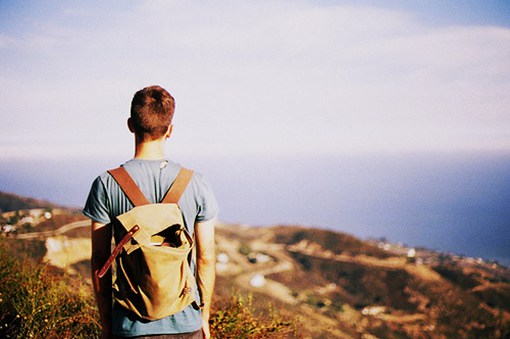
(39, 301)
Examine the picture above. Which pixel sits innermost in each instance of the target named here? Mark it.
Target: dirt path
(52, 233)
(270, 287)
(423, 272)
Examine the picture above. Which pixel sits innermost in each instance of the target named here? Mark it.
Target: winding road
(55, 232)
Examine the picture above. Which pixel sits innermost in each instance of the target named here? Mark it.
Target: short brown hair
(152, 110)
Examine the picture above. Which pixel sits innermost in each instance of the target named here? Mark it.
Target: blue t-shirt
(154, 177)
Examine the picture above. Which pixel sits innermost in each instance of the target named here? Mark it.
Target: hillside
(343, 287)
(13, 202)
(328, 284)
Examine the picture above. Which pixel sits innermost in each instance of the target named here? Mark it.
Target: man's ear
(130, 125)
(169, 131)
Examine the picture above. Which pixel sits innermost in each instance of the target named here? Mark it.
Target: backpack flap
(153, 221)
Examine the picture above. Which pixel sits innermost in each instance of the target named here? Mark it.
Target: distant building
(258, 258)
(222, 260)
(8, 228)
(27, 220)
(258, 280)
(411, 255)
(373, 310)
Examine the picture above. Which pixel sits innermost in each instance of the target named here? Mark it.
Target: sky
(279, 77)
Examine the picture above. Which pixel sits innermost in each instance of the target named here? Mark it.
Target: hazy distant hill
(13, 202)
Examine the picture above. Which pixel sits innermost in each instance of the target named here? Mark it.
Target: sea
(455, 202)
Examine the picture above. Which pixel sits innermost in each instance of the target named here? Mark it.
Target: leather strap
(136, 196)
(179, 185)
(129, 187)
(117, 250)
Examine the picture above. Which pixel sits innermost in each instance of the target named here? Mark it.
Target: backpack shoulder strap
(179, 185)
(129, 187)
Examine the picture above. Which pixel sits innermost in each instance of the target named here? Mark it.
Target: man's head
(152, 109)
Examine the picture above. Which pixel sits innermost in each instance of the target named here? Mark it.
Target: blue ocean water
(455, 202)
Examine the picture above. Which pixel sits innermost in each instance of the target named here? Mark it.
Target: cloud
(284, 76)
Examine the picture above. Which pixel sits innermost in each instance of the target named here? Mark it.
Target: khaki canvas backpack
(153, 276)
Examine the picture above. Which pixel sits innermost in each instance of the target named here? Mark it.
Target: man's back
(154, 178)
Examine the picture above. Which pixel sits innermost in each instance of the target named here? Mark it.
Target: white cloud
(285, 76)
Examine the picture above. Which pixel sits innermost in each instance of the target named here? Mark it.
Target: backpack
(153, 276)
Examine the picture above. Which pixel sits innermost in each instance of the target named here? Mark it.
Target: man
(152, 110)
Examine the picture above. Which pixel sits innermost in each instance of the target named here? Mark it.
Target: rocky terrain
(331, 285)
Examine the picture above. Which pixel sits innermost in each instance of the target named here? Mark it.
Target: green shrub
(236, 320)
(245, 249)
(36, 301)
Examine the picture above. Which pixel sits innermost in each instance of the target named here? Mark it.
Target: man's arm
(206, 268)
(101, 246)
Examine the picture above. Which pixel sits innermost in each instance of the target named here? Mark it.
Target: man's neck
(150, 150)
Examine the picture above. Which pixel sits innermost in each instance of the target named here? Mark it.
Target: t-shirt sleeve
(208, 207)
(97, 207)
